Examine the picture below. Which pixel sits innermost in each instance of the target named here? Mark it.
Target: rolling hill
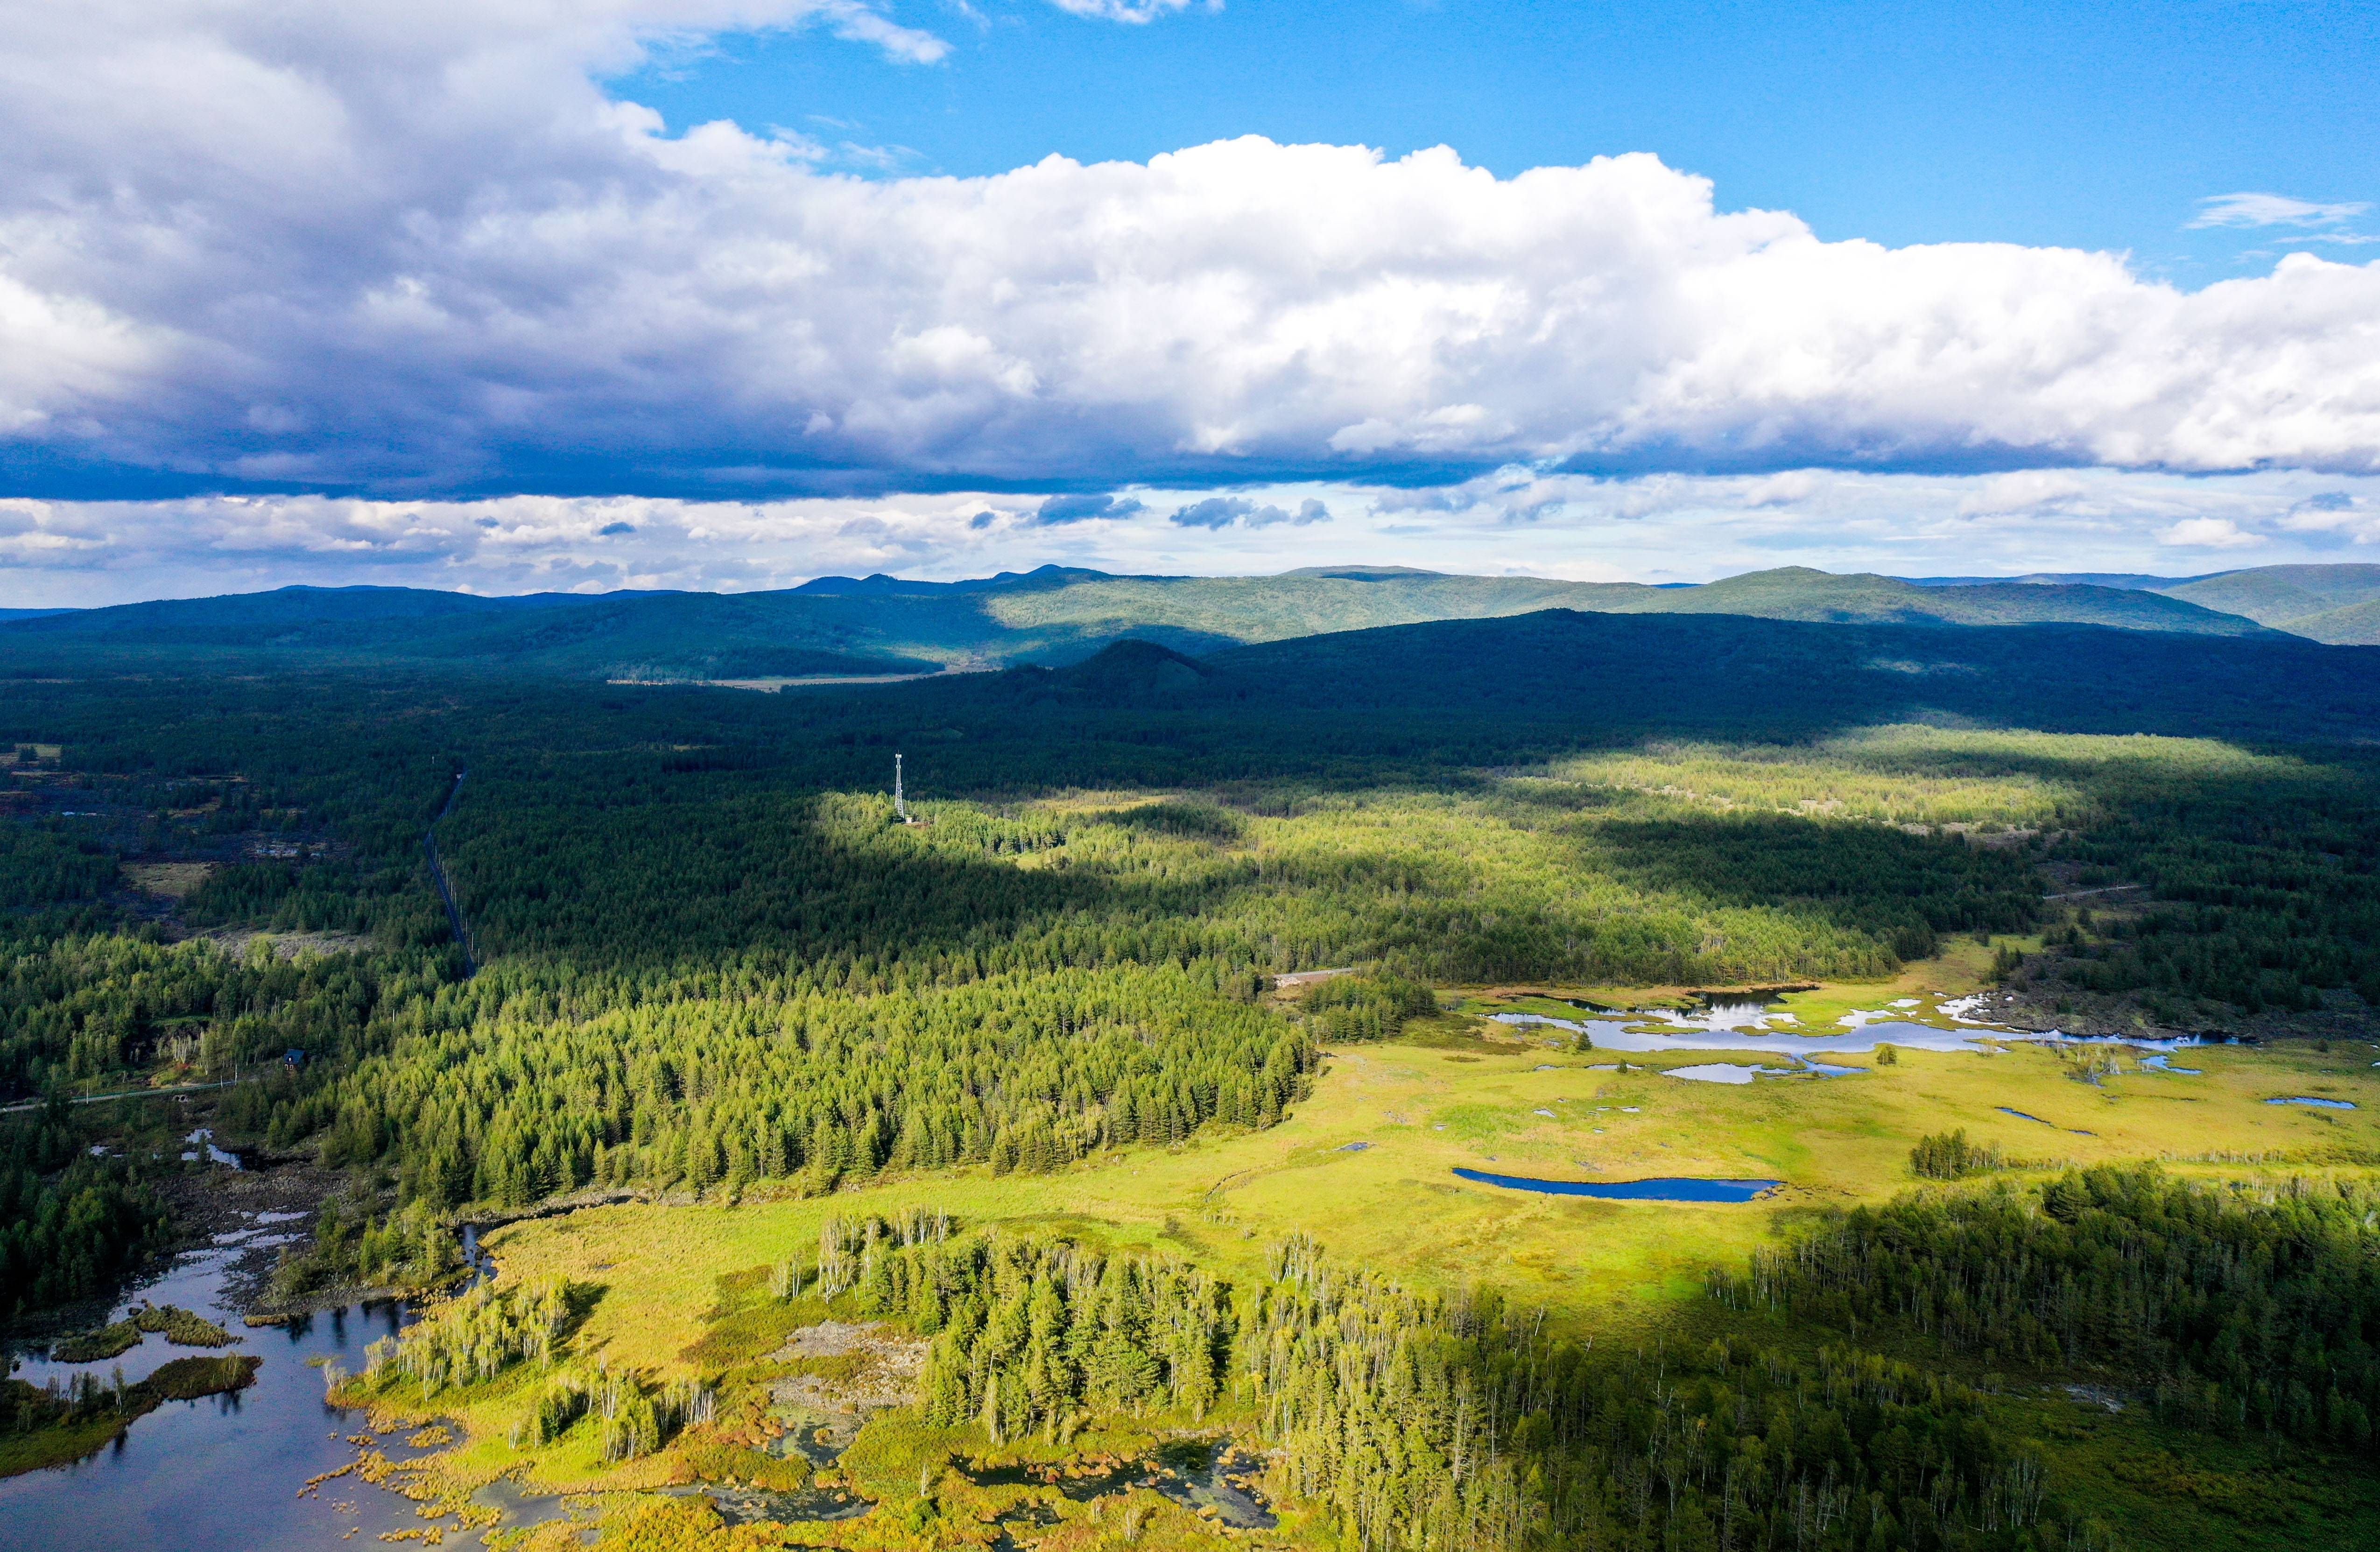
(1562, 669)
(2340, 604)
(2335, 603)
(879, 625)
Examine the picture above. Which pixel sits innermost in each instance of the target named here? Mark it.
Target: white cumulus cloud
(1136, 11)
(2272, 210)
(2209, 533)
(347, 248)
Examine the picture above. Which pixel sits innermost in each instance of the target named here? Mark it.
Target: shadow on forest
(1874, 878)
(712, 867)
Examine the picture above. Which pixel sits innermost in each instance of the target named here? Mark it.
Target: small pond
(2309, 1099)
(1667, 1188)
(2005, 1110)
(1726, 1073)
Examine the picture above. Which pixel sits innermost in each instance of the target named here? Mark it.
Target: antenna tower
(899, 807)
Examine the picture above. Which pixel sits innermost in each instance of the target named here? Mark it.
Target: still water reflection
(221, 1473)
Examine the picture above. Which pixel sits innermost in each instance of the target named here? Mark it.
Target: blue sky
(2079, 125)
(510, 294)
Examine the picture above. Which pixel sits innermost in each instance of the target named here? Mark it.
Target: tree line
(70, 1223)
(1413, 1421)
(2246, 1310)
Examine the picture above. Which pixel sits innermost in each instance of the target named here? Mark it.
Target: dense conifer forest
(2247, 1313)
(708, 962)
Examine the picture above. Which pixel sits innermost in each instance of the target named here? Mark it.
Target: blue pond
(2322, 1104)
(2021, 1116)
(1674, 1188)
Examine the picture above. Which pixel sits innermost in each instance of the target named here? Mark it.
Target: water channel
(1755, 1027)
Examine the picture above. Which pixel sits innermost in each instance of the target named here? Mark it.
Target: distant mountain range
(838, 627)
(2340, 604)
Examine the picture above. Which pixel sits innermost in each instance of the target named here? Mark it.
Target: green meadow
(1366, 1167)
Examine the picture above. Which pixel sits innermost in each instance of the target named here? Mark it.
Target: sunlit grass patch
(685, 1292)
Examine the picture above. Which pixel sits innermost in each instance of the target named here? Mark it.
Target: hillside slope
(879, 625)
(1800, 593)
(1670, 673)
(1480, 692)
(2334, 603)
(2331, 604)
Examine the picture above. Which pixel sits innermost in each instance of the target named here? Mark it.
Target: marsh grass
(686, 1288)
(180, 1326)
(99, 1345)
(747, 1322)
(52, 1425)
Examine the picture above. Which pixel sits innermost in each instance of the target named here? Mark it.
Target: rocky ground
(221, 1199)
(845, 1373)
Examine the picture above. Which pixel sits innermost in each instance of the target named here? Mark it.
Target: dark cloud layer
(1082, 509)
(1222, 512)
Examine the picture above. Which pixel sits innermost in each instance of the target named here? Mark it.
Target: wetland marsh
(1423, 1205)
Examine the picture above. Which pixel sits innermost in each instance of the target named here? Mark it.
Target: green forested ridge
(2337, 603)
(1048, 615)
(2241, 1311)
(2334, 603)
(1800, 593)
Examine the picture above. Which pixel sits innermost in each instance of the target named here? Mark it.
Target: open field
(1423, 1112)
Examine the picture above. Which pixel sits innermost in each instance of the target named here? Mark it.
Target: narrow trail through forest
(125, 1093)
(445, 889)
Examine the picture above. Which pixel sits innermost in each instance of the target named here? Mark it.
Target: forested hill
(883, 625)
(1563, 675)
(2335, 603)
(2338, 604)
